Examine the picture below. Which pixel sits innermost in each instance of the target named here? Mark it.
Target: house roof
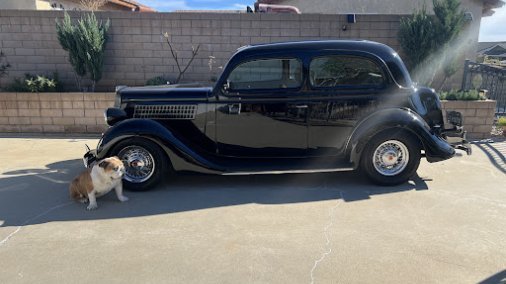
(495, 50)
(485, 45)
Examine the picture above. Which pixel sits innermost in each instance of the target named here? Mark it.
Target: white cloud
(492, 28)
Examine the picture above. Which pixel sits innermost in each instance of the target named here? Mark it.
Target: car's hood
(165, 92)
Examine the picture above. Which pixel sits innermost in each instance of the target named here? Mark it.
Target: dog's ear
(103, 164)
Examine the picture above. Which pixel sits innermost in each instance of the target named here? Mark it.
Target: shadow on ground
(35, 196)
(498, 278)
(495, 151)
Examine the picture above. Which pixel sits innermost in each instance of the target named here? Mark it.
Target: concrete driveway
(447, 226)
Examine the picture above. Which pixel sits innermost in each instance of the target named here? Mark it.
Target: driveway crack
(328, 247)
(4, 241)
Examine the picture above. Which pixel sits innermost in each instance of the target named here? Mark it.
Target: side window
(266, 74)
(339, 70)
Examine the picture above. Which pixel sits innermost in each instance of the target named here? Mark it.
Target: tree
(415, 36)
(67, 36)
(4, 65)
(174, 53)
(92, 5)
(85, 42)
(92, 41)
(427, 40)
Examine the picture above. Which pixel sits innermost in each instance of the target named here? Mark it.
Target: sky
(493, 28)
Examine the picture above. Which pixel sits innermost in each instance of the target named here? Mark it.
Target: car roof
(377, 48)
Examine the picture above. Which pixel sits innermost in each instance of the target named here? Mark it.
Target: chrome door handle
(300, 106)
(234, 108)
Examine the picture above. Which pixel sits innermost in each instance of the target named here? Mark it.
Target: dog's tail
(75, 193)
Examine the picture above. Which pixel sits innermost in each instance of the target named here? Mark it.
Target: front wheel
(145, 163)
(391, 157)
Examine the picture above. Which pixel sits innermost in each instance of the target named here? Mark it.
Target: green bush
(426, 41)
(501, 121)
(452, 95)
(155, 81)
(85, 42)
(35, 84)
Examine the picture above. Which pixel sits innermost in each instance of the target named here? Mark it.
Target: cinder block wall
(83, 113)
(478, 116)
(137, 51)
(54, 112)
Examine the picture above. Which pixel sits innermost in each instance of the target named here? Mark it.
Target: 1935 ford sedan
(294, 107)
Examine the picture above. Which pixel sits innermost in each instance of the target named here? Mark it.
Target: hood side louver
(165, 111)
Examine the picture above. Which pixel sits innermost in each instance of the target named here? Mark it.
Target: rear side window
(266, 74)
(338, 70)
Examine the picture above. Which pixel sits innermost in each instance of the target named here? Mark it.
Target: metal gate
(493, 79)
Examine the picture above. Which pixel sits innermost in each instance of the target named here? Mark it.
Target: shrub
(35, 84)
(4, 65)
(423, 37)
(155, 81)
(452, 95)
(85, 42)
(501, 121)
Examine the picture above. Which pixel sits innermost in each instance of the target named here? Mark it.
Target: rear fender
(436, 148)
(179, 154)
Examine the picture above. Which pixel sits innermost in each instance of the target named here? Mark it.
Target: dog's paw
(92, 207)
(123, 198)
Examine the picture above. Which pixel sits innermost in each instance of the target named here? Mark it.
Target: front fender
(436, 148)
(150, 129)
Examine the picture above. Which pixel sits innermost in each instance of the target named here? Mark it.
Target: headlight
(113, 115)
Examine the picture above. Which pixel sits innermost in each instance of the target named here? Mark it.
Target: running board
(277, 172)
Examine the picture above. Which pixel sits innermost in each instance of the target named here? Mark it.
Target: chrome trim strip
(289, 172)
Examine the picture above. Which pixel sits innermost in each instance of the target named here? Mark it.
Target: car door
(261, 111)
(343, 89)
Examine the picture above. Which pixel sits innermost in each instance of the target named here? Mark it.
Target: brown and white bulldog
(99, 180)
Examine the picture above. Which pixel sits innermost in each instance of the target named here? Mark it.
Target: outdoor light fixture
(468, 17)
(351, 18)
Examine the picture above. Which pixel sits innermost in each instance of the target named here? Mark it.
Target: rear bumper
(456, 137)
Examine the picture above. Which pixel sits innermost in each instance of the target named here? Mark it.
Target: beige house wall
(46, 5)
(371, 6)
(18, 4)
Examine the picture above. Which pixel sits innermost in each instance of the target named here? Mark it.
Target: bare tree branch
(92, 5)
(195, 51)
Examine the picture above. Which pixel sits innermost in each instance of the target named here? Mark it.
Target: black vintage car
(294, 107)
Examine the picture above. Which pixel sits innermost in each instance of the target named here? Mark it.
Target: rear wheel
(391, 157)
(145, 163)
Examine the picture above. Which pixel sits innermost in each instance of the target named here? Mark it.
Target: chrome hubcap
(390, 158)
(139, 164)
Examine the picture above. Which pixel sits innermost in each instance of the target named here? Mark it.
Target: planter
(478, 116)
(54, 112)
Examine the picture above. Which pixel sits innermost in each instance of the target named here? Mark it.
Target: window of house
(339, 70)
(278, 73)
